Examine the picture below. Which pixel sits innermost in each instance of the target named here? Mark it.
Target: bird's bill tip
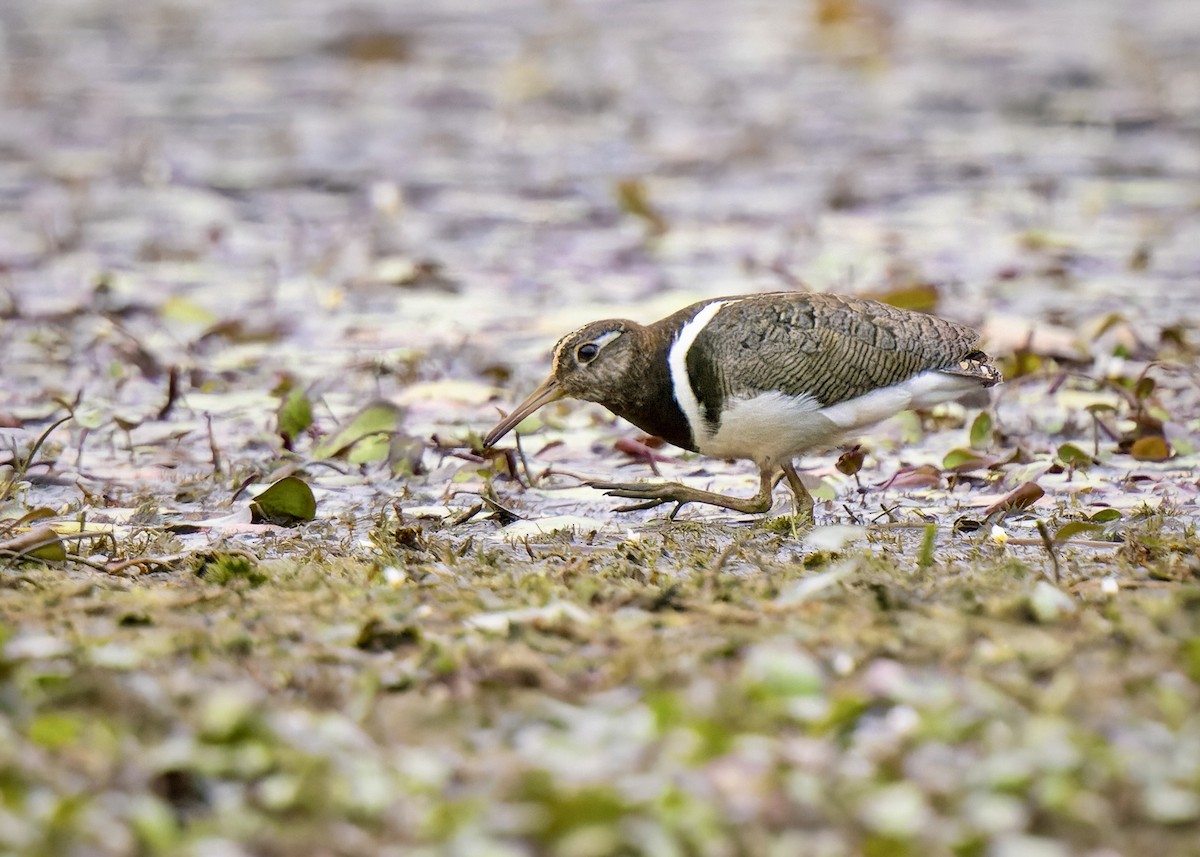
(547, 392)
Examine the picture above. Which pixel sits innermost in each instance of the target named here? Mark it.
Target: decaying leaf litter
(319, 247)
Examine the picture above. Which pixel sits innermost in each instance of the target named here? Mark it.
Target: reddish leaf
(1021, 497)
(925, 476)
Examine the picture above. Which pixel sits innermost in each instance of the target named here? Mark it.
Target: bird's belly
(769, 427)
(774, 427)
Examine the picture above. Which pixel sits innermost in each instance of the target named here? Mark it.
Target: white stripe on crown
(681, 382)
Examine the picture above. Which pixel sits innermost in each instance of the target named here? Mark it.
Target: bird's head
(588, 364)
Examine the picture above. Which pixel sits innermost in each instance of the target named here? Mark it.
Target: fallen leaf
(285, 503)
(295, 415)
(923, 476)
(1021, 497)
(378, 420)
(39, 543)
(981, 431)
(1151, 448)
(965, 460)
(1076, 528)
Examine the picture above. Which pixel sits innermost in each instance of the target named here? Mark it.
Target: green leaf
(287, 502)
(295, 415)
(370, 449)
(1076, 528)
(42, 543)
(1105, 516)
(1072, 456)
(981, 431)
(964, 460)
(377, 418)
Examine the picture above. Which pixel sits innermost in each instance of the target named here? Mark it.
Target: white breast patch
(681, 382)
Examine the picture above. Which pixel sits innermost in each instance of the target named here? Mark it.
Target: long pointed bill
(548, 392)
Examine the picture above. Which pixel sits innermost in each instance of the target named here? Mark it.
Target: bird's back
(826, 348)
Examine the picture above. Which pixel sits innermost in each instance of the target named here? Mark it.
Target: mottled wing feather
(828, 347)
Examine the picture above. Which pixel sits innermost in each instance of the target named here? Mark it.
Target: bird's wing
(827, 347)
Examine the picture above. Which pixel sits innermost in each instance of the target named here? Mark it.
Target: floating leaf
(295, 416)
(375, 447)
(1076, 528)
(1072, 456)
(1151, 448)
(379, 418)
(287, 502)
(964, 461)
(981, 431)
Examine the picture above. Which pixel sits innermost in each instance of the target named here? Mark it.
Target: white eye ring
(587, 352)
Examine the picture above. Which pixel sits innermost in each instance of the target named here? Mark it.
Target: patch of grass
(671, 699)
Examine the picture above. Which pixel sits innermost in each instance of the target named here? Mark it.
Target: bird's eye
(587, 352)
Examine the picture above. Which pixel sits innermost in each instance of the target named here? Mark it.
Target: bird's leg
(656, 493)
(804, 500)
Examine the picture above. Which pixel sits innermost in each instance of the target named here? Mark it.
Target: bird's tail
(979, 366)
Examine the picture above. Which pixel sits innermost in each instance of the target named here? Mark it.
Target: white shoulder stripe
(681, 382)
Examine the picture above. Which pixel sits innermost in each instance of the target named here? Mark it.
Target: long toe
(656, 493)
(661, 491)
(638, 507)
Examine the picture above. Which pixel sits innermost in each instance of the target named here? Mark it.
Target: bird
(765, 377)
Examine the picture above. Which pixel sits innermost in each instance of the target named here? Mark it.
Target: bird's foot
(656, 493)
(803, 504)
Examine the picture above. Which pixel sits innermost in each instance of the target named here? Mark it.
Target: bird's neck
(645, 396)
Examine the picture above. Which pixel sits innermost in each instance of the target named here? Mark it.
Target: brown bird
(764, 377)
